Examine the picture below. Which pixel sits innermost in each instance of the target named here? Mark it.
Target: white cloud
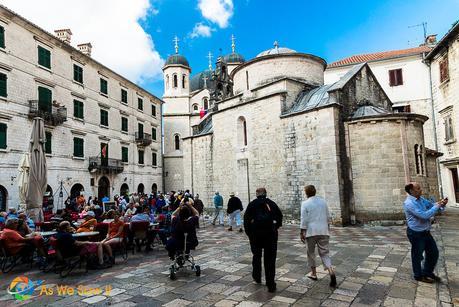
(201, 29)
(217, 11)
(112, 27)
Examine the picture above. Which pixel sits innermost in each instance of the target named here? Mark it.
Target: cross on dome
(209, 56)
(176, 40)
(233, 44)
(276, 44)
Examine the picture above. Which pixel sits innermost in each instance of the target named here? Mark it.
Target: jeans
(422, 242)
(219, 215)
(269, 245)
(235, 217)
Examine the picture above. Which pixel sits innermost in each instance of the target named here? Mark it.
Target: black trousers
(268, 244)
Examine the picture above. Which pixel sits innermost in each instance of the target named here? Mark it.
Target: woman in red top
(114, 235)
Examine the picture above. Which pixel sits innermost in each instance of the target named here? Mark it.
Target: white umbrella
(23, 179)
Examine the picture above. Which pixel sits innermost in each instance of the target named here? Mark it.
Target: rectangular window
(78, 109)
(154, 159)
(140, 130)
(3, 87)
(123, 96)
(78, 73)
(140, 104)
(153, 134)
(449, 129)
(153, 110)
(104, 118)
(44, 57)
(78, 147)
(2, 37)
(141, 153)
(3, 130)
(45, 97)
(48, 143)
(103, 86)
(395, 77)
(124, 124)
(444, 70)
(125, 154)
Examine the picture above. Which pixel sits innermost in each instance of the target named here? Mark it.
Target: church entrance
(103, 188)
(243, 190)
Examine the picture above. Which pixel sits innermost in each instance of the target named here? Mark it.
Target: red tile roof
(369, 57)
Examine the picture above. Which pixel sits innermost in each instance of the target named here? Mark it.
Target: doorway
(103, 188)
(455, 183)
(140, 189)
(76, 190)
(3, 198)
(154, 188)
(124, 191)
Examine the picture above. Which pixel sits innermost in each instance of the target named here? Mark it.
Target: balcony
(143, 139)
(105, 165)
(52, 114)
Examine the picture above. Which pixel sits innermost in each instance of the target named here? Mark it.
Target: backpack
(263, 221)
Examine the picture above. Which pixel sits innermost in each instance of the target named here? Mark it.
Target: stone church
(271, 122)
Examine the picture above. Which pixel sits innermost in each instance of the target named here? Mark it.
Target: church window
(416, 146)
(177, 142)
(395, 77)
(419, 158)
(205, 103)
(247, 79)
(242, 132)
(167, 81)
(195, 107)
(175, 81)
(183, 81)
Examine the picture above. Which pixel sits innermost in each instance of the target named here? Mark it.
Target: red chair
(9, 260)
(139, 231)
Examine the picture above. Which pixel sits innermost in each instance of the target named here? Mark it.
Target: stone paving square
(373, 268)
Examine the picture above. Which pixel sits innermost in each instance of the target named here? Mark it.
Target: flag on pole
(104, 151)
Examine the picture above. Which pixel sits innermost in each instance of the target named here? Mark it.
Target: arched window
(416, 147)
(183, 81)
(421, 160)
(195, 107)
(242, 131)
(177, 142)
(175, 81)
(167, 81)
(205, 103)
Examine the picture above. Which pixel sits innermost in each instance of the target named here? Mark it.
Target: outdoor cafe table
(85, 234)
(44, 234)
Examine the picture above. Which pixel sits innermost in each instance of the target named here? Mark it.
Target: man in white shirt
(315, 231)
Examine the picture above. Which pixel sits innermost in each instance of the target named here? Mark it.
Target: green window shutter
(140, 130)
(153, 110)
(3, 133)
(3, 87)
(103, 86)
(48, 146)
(77, 73)
(104, 118)
(154, 161)
(140, 103)
(153, 134)
(78, 109)
(2, 37)
(45, 98)
(44, 57)
(124, 154)
(123, 96)
(124, 124)
(141, 152)
(78, 147)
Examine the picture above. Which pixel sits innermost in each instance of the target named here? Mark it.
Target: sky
(135, 37)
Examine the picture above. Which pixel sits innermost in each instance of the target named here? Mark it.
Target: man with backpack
(262, 220)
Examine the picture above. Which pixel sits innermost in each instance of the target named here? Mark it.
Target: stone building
(103, 131)
(443, 64)
(277, 125)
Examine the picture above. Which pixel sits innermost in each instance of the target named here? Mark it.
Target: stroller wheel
(172, 275)
(198, 270)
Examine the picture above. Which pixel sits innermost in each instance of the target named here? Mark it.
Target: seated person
(109, 215)
(89, 222)
(114, 235)
(84, 211)
(68, 246)
(23, 227)
(3, 216)
(184, 220)
(130, 211)
(12, 213)
(144, 216)
(17, 244)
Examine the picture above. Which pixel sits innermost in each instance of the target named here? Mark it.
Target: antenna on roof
(424, 27)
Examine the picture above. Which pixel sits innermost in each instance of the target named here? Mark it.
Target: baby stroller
(182, 258)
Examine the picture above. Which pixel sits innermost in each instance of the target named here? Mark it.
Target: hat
(232, 194)
(90, 213)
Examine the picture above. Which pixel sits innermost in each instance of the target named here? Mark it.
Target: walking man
(262, 220)
(418, 212)
(315, 224)
(234, 212)
(218, 203)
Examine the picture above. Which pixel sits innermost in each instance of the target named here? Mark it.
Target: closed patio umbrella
(37, 172)
(23, 179)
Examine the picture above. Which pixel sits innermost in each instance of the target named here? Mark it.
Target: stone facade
(19, 62)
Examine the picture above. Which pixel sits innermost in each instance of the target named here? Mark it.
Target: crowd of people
(261, 222)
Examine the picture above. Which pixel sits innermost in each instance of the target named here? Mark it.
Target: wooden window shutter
(391, 78)
(399, 77)
(3, 87)
(2, 37)
(3, 130)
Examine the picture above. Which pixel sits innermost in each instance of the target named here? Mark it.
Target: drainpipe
(434, 126)
(162, 148)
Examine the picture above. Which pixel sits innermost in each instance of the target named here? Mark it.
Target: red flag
(104, 151)
(202, 113)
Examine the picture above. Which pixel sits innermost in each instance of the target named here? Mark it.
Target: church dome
(234, 58)
(177, 59)
(276, 50)
(197, 81)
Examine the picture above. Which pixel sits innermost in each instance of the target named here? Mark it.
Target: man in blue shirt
(218, 203)
(418, 212)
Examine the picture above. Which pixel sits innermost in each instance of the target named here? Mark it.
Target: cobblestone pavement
(372, 263)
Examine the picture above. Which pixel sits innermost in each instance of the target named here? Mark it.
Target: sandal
(310, 276)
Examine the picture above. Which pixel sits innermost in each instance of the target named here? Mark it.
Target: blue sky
(330, 29)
